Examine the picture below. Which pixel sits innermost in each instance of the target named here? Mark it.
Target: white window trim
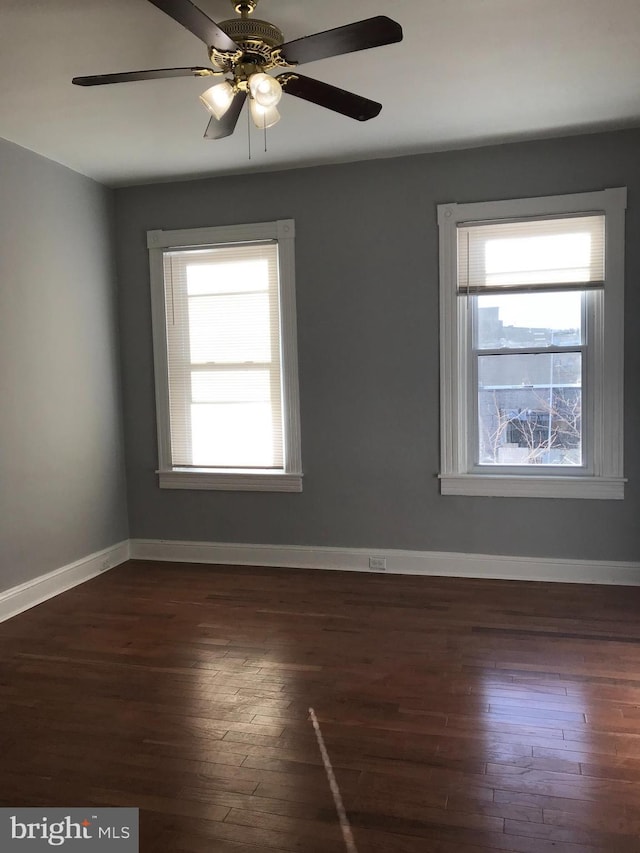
(172, 477)
(606, 481)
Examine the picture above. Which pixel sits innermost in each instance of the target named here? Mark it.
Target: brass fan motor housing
(258, 40)
(252, 29)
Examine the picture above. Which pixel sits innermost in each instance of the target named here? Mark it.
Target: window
(531, 326)
(223, 304)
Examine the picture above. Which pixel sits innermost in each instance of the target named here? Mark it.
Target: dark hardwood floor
(460, 716)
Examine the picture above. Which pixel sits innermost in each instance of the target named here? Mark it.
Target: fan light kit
(244, 49)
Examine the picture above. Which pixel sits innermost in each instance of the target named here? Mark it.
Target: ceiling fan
(243, 49)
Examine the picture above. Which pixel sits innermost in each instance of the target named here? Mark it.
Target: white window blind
(563, 253)
(224, 356)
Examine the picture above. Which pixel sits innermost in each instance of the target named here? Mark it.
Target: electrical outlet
(379, 563)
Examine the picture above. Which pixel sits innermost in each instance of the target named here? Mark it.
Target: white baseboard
(26, 595)
(439, 563)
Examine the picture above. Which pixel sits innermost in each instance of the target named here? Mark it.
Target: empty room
(319, 359)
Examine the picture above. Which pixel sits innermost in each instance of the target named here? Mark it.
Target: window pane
(530, 409)
(232, 435)
(230, 328)
(529, 320)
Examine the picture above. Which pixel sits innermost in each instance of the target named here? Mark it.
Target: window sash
(182, 368)
(474, 353)
(571, 469)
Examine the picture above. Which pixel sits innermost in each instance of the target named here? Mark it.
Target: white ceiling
(468, 72)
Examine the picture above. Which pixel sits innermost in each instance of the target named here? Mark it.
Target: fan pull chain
(265, 133)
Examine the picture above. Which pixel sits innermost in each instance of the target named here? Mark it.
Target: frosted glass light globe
(264, 116)
(266, 90)
(218, 98)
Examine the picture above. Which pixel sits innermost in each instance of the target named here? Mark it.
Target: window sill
(229, 481)
(506, 486)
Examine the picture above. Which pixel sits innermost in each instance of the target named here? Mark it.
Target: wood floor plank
(459, 715)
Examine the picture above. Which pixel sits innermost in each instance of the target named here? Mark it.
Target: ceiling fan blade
(372, 32)
(338, 100)
(219, 128)
(195, 20)
(152, 74)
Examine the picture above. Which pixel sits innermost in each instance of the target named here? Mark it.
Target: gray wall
(367, 289)
(62, 485)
